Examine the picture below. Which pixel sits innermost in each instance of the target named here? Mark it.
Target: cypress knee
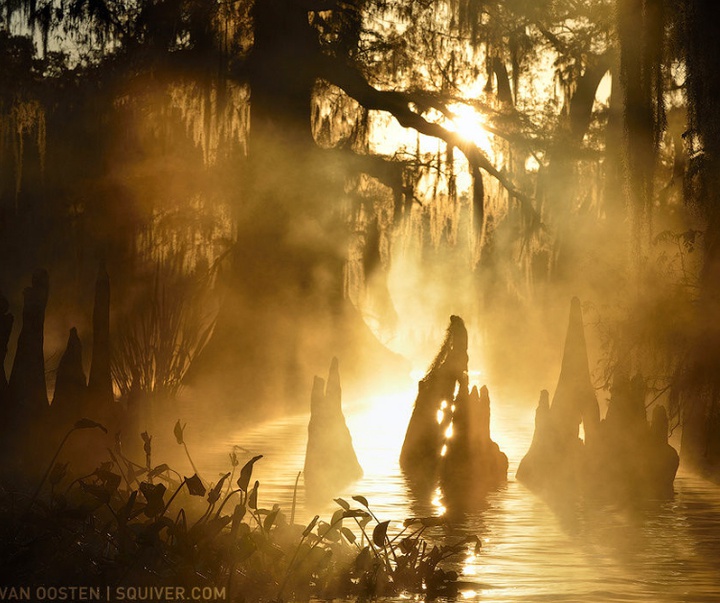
(28, 391)
(68, 403)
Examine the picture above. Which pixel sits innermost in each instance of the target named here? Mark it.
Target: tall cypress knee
(27, 380)
(100, 390)
(68, 403)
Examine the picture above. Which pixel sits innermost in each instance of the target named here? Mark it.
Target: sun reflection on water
(529, 552)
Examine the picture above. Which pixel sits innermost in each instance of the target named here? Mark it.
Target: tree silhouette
(138, 119)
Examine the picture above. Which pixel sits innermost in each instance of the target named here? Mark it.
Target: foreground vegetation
(127, 524)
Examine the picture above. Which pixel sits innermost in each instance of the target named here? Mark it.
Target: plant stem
(294, 500)
(191, 461)
(47, 471)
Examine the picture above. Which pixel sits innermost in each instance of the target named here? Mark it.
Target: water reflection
(658, 551)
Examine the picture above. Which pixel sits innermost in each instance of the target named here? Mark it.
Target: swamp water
(653, 552)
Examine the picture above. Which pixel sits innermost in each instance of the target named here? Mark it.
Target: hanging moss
(22, 122)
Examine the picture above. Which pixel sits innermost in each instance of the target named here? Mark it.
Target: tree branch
(388, 172)
(398, 105)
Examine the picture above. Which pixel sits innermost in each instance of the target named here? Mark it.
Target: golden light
(470, 566)
(437, 503)
(532, 165)
(449, 431)
(470, 125)
(441, 412)
(443, 451)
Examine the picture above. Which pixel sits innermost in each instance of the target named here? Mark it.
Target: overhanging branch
(398, 105)
(386, 171)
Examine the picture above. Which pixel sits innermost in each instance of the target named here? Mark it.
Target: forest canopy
(310, 177)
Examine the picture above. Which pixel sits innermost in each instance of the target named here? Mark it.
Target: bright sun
(469, 124)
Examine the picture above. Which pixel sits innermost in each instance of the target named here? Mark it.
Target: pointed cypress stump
(473, 463)
(28, 390)
(26, 436)
(330, 459)
(100, 390)
(663, 461)
(537, 463)
(424, 438)
(467, 462)
(69, 400)
(635, 458)
(555, 459)
(574, 401)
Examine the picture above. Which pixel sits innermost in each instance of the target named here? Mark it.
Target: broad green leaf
(252, 497)
(270, 520)
(337, 518)
(237, 518)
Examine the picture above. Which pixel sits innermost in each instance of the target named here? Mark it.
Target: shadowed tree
(28, 389)
(315, 74)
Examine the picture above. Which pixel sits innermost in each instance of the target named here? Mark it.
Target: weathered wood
(330, 459)
(473, 463)
(28, 391)
(621, 457)
(70, 396)
(424, 437)
(468, 461)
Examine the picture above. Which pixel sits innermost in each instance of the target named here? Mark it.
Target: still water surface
(656, 552)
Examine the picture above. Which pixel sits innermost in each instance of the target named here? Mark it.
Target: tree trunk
(284, 317)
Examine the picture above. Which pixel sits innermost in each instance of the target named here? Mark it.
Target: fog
(372, 263)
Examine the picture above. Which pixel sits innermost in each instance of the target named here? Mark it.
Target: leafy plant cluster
(133, 524)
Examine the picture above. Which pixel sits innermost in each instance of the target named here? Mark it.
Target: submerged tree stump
(28, 390)
(554, 459)
(448, 436)
(330, 459)
(69, 399)
(425, 435)
(472, 462)
(620, 457)
(634, 456)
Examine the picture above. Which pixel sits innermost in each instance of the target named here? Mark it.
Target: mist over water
(664, 551)
(271, 185)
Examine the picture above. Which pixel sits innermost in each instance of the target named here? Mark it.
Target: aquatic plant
(167, 329)
(130, 524)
